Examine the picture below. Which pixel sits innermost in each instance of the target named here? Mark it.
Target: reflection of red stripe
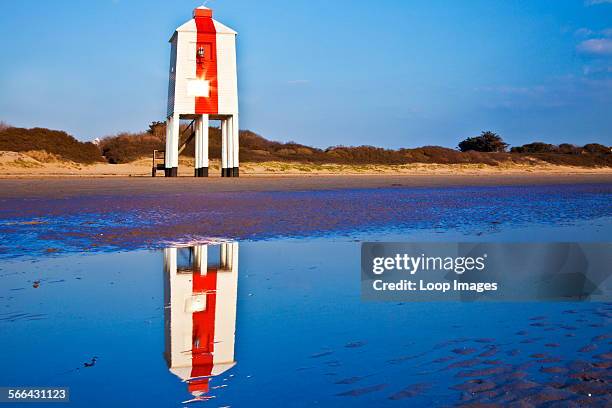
(203, 335)
(206, 67)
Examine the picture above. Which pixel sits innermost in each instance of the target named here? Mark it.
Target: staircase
(159, 156)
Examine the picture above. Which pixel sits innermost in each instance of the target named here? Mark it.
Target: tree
(487, 142)
(567, 148)
(157, 129)
(535, 147)
(597, 148)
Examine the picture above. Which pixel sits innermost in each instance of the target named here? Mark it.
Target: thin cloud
(513, 90)
(583, 32)
(555, 93)
(596, 70)
(588, 33)
(298, 81)
(596, 46)
(594, 2)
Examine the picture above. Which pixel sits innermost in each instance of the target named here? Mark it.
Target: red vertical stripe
(203, 335)
(206, 65)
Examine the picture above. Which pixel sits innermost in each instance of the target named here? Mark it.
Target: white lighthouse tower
(203, 86)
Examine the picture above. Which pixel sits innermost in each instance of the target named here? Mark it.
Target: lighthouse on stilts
(203, 86)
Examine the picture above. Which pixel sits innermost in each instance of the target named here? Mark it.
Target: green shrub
(567, 148)
(596, 148)
(487, 142)
(535, 147)
(488, 148)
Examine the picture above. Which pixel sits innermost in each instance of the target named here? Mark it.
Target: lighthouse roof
(190, 26)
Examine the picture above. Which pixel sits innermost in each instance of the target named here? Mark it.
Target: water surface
(279, 321)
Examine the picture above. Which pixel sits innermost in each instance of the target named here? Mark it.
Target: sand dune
(41, 164)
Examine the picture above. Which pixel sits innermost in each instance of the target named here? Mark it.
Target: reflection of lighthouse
(200, 313)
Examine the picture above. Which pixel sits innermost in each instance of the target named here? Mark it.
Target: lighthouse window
(204, 51)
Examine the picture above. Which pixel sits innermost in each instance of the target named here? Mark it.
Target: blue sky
(387, 73)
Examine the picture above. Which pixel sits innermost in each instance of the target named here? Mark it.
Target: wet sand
(55, 187)
(50, 216)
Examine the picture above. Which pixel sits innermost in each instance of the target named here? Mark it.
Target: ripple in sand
(321, 354)
(405, 358)
(443, 359)
(349, 380)
(548, 395)
(464, 350)
(518, 385)
(548, 360)
(554, 370)
(410, 391)
(603, 364)
(482, 372)
(17, 316)
(590, 386)
(588, 348)
(357, 392)
(604, 356)
(528, 341)
(578, 365)
(449, 343)
(601, 337)
(475, 386)
(465, 363)
(355, 344)
(491, 351)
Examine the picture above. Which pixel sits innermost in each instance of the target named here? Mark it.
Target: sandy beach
(57, 187)
(23, 175)
(42, 164)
